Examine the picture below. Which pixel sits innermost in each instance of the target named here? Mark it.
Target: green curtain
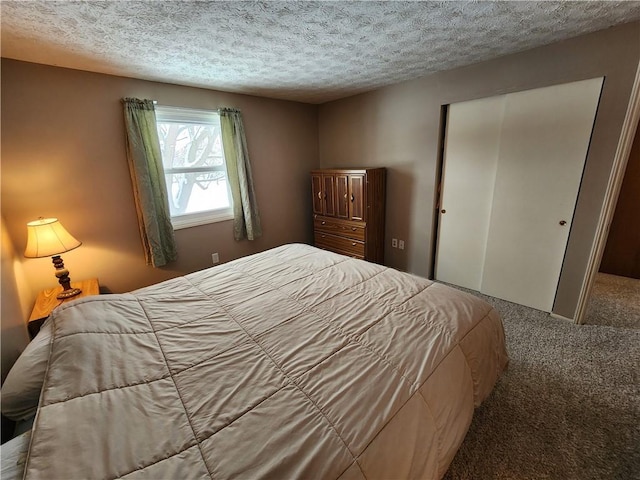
(246, 218)
(149, 185)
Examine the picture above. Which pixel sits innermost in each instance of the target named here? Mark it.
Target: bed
(291, 363)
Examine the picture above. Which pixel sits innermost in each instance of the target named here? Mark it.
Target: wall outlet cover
(215, 258)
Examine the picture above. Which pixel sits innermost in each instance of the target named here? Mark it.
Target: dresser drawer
(346, 246)
(343, 228)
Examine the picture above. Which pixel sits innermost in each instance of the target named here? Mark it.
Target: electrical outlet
(215, 258)
(401, 244)
(394, 242)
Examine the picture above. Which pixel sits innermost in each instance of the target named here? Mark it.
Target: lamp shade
(47, 237)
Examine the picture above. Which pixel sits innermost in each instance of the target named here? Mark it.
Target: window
(194, 166)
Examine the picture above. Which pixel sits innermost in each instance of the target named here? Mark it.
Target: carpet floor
(568, 406)
(614, 301)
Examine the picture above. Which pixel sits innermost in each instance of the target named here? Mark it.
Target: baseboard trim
(560, 317)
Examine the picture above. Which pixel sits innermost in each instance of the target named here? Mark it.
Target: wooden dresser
(348, 211)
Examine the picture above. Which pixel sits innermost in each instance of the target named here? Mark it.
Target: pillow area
(21, 389)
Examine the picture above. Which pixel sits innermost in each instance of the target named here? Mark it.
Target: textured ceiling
(305, 51)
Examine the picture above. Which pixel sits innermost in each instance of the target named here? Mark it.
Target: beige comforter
(292, 363)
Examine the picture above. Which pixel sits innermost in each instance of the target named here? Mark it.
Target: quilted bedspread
(291, 363)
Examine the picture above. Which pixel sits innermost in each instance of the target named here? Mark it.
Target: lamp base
(72, 292)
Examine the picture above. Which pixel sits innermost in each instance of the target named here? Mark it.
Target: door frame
(611, 197)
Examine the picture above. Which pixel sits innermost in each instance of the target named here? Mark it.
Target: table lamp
(46, 237)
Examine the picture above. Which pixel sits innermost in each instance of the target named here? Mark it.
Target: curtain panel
(149, 184)
(246, 217)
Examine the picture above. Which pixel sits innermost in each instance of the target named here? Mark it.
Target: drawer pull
(323, 223)
(353, 244)
(353, 228)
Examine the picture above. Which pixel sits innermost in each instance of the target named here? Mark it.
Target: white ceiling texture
(306, 51)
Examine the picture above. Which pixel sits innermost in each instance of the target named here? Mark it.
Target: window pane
(194, 165)
(189, 145)
(197, 192)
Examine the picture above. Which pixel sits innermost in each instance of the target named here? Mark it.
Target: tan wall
(63, 155)
(14, 307)
(399, 127)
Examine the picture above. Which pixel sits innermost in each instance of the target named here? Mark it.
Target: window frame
(170, 114)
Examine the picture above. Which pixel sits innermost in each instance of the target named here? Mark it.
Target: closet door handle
(563, 222)
(352, 198)
(320, 195)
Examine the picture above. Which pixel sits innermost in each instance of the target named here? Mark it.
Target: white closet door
(543, 147)
(469, 170)
(511, 175)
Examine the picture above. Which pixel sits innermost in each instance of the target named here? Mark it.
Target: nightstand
(47, 302)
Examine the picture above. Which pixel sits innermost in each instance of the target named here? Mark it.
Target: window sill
(188, 221)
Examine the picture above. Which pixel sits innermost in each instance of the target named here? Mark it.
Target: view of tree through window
(193, 162)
